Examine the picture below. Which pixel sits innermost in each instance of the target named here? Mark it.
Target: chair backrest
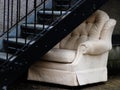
(90, 29)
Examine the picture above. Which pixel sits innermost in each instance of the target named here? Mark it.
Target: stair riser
(62, 7)
(45, 19)
(1, 61)
(63, 3)
(13, 50)
(27, 32)
(11, 47)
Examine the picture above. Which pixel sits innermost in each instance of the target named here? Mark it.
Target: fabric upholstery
(90, 29)
(55, 54)
(104, 43)
(81, 57)
(95, 47)
(86, 59)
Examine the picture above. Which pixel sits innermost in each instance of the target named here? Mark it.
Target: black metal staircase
(26, 41)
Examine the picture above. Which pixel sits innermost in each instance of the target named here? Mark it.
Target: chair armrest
(60, 55)
(103, 44)
(94, 47)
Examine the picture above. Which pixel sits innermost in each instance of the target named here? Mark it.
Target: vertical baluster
(17, 20)
(69, 3)
(26, 19)
(11, 12)
(35, 14)
(19, 9)
(8, 14)
(44, 14)
(53, 10)
(61, 9)
(4, 14)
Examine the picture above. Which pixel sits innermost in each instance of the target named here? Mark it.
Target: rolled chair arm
(94, 47)
(102, 45)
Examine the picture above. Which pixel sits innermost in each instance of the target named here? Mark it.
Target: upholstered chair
(81, 57)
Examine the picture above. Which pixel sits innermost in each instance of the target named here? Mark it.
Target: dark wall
(112, 7)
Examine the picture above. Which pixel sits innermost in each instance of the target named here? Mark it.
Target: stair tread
(3, 56)
(63, 5)
(63, 0)
(68, 1)
(19, 40)
(52, 12)
(38, 26)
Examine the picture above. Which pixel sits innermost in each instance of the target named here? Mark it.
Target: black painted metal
(45, 40)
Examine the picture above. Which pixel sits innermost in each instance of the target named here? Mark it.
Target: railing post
(35, 14)
(4, 12)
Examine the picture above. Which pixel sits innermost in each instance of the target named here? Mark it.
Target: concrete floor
(112, 84)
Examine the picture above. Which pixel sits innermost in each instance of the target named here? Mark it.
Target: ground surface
(112, 84)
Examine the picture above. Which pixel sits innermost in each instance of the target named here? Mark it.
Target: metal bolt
(36, 46)
(94, 6)
(5, 79)
(20, 64)
(1, 70)
(74, 14)
(91, 10)
(46, 46)
(83, 14)
(64, 30)
(11, 68)
(16, 62)
(26, 62)
(55, 29)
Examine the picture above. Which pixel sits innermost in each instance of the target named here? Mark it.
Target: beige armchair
(81, 57)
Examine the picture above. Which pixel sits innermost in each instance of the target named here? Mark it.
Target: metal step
(63, 2)
(48, 12)
(4, 56)
(38, 26)
(48, 16)
(12, 45)
(32, 29)
(62, 7)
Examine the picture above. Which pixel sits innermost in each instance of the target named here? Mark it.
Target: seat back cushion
(90, 29)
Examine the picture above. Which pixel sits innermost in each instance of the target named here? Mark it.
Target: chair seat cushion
(51, 65)
(60, 55)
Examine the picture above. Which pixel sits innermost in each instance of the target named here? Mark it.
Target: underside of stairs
(27, 41)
